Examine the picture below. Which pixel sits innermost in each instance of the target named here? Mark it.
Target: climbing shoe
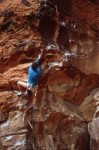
(18, 93)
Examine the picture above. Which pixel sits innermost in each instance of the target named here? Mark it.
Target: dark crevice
(96, 2)
(63, 39)
(7, 13)
(26, 3)
(47, 27)
(46, 8)
(7, 20)
(64, 7)
(5, 25)
(1, 1)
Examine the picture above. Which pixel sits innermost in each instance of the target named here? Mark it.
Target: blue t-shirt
(33, 76)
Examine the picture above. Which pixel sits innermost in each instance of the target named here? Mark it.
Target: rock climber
(34, 73)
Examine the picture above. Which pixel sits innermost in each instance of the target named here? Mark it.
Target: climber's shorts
(31, 86)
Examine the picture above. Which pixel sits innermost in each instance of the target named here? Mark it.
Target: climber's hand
(41, 54)
(42, 51)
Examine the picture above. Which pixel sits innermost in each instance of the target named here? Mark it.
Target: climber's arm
(40, 55)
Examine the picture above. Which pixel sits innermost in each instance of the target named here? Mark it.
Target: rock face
(66, 111)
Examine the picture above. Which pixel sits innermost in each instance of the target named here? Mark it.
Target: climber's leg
(22, 86)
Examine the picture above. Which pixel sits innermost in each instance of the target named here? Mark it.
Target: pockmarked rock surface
(66, 111)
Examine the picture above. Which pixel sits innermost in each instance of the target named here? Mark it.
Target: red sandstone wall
(66, 114)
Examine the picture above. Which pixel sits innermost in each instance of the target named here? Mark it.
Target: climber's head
(34, 65)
